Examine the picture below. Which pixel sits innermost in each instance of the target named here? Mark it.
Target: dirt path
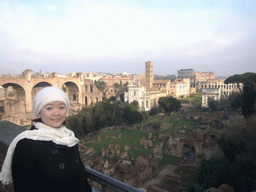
(159, 177)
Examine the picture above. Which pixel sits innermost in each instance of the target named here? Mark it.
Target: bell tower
(149, 74)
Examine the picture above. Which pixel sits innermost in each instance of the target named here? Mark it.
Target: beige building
(120, 79)
(148, 95)
(140, 78)
(203, 76)
(216, 88)
(180, 88)
(186, 73)
(145, 96)
(93, 76)
(226, 89)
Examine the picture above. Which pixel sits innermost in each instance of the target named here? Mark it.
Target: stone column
(28, 100)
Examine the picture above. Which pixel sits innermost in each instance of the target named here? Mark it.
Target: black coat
(43, 166)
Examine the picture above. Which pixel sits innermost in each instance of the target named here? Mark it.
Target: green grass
(135, 152)
(132, 138)
(193, 99)
(150, 119)
(168, 159)
(181, 122)
(129, 136)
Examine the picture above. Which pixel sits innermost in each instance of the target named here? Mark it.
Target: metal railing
(109, 182)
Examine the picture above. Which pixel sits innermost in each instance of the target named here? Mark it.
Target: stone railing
(8, 131)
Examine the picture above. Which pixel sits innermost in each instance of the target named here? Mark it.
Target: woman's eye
(48, 108)
(62, 108)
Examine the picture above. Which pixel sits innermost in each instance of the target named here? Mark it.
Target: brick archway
(15, 99)
(78, 87)
(196, 143)
(72, 90)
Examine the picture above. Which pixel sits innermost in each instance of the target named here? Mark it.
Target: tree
(169, 104)
(154, 111)
(237, 166)
(131, 114)
(235, 101)
(156, 125)
(133, 117)
(213, 104)
(239, 142)
(87, 121)
(112, 99)
(101, 85)
(74, 124)
(117, 85)
(135, 104)
(248, 93)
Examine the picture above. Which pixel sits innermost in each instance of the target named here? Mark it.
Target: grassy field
(193, 99)
(131, 137)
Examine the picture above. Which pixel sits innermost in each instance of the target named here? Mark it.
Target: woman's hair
(40, 120)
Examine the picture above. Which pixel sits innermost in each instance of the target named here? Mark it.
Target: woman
(46, 157)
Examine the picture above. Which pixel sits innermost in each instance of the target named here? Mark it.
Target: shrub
(75, 125)
(156, 125)
(154, 111)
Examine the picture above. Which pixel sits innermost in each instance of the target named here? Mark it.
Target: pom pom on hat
(47, 95)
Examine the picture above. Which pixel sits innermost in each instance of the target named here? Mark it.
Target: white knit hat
(47, 95)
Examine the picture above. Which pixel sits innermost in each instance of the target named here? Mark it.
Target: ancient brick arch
(210, 136)
(182, 142)
(27, 86)
(72, 84)
(17, 88)
(72, 90)
(14, 103)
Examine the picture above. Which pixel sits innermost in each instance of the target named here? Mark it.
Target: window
(134, 93)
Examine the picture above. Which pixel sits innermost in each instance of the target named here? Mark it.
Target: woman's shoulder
(29, 143)
(36, 144)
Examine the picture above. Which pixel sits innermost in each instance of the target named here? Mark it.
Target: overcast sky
(121, 35)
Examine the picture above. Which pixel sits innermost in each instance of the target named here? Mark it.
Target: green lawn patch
(150, 119)
(168, 159)
(135, 152)
(179, 121)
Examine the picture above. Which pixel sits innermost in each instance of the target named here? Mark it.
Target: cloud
(50, 8)
(87, 34)
(101, 30)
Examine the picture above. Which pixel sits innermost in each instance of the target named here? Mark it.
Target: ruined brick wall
(188, 168)
(173, 178)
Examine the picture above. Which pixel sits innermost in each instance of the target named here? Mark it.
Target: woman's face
(53, 114)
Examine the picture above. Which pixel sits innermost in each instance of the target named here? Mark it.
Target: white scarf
(60, 136)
